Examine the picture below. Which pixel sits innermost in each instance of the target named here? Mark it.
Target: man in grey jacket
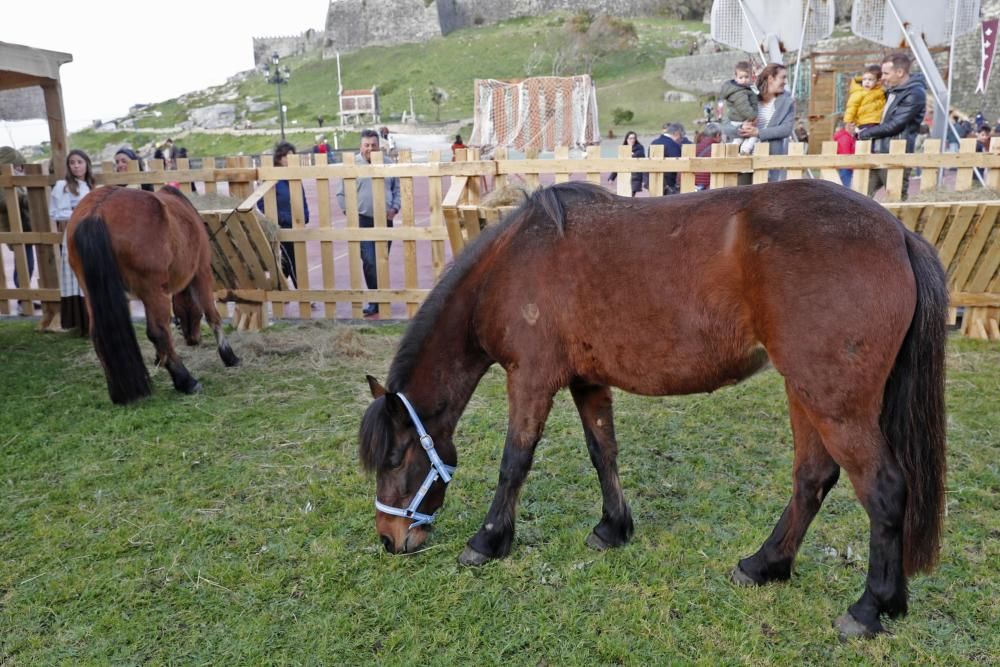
(905, 106)
(366, 211)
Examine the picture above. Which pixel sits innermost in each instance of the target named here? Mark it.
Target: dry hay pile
(975, 194)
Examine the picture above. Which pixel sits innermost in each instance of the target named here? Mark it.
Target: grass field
(235, 527)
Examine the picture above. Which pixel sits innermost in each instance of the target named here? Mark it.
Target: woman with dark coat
(640, 180)
(283, 196)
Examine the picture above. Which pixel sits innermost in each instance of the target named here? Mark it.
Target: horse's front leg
(594, 403)
(529, 408)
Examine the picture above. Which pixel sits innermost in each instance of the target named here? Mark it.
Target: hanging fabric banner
(989, 46)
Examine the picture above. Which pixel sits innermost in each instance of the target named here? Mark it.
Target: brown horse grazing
(582, 289)
(155, 246)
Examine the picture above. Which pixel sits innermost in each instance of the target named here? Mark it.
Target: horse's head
(410, 475)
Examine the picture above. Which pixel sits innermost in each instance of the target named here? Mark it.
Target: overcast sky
(126, 52)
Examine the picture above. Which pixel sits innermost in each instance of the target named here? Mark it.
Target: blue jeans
(29, 250)
(845, 176)
(368, 252)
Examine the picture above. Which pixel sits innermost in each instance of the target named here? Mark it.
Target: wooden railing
(441, 202)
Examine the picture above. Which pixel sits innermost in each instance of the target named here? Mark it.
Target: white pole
(951, 62)
(340, 86)
(340, 92)
(753, 33)
(798, 58)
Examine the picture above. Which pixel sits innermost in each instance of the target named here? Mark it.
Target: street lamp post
(278, 75)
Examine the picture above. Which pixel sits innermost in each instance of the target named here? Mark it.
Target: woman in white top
(66, 194)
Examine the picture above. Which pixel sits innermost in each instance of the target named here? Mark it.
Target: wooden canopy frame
(23, 67)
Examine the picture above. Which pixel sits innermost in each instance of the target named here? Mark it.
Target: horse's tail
(111, 328)
(913, 412)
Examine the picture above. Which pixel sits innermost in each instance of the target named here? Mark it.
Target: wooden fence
(441, 209)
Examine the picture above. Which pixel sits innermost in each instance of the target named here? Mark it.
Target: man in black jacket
(672, 139)
(905, 105)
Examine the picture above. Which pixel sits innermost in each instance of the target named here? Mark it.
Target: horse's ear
(377, 389)
(395, 408)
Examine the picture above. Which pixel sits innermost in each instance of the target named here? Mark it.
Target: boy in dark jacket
(741, 102)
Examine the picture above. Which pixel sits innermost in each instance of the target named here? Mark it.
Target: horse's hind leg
(814, 473)
(529, 408)
(188, 311)
(881, 488)
(158, 330)
(594, 403)
(201, 293)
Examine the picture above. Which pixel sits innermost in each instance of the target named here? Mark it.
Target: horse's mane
(544, 204)
(177, 194)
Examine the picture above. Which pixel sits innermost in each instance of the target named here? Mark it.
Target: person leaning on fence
(366, 210)
(906, 99)
(710, 135)
(845, 146)
(640, 180)
(982, 146)
(775, 116)
(11, 156)
(456, 145)
(283, 197)
(66, 194)
(671, 140)
(123, 157)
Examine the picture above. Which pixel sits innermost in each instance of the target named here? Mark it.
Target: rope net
(537, 113)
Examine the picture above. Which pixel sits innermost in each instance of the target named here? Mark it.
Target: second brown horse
(153, 245)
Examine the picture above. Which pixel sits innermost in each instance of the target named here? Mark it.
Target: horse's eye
(395, 458)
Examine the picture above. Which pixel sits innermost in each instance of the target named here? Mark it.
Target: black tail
(913, 412)
(111, 328)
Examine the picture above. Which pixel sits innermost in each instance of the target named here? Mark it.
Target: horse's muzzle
(406, 542)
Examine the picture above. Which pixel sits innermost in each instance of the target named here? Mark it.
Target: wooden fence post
(623, 179)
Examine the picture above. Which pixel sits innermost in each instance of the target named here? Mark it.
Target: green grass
(631, 79)
(234, 527)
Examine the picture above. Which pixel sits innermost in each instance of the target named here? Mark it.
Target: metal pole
(753, 33)
(798, 58)
(281, 109)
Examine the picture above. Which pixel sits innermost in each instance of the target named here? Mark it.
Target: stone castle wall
(353, 24)
(289, 45)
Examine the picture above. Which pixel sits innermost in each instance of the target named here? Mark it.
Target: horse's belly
(680, 371)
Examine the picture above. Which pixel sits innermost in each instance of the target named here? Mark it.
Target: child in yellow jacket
(866, 100)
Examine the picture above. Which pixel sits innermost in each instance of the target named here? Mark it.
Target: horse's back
(156, 237)
(680, 294)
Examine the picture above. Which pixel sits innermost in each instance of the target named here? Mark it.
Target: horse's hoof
(596, 542)
(194, 389)
(849, 628)
(472, 558)
(741, 578)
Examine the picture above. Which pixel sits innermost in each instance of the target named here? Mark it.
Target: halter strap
(439, 469)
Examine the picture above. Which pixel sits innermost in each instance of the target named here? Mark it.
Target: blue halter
(439, 469)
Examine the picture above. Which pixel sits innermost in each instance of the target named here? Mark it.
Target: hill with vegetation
(625, 58)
